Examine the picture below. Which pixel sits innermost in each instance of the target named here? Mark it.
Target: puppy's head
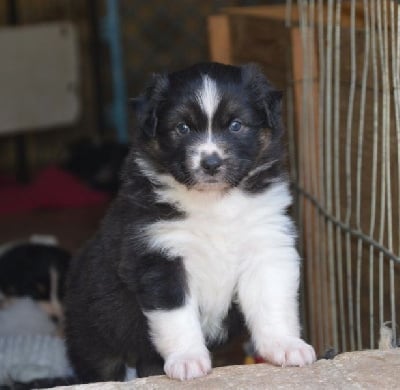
(210, 126)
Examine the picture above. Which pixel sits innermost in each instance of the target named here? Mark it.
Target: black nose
(210, 163)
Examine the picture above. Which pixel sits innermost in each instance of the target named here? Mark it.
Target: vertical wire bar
(328, 138)
(321, 158)
(374, 168)
(314, 161)
(304, 139)
(304, 120)
(359, 168)
(358, 294)
(336, 152)
(397, 105)
(317, 139)
(307, 81)
(360, 163)
(305, 130)
(349, 123)
(308, 124)
(387, 94)
(383, 164)
(395, 40)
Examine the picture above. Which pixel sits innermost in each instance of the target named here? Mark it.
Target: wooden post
(219, 38)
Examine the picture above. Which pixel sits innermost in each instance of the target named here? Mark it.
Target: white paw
(187, 365)
(287, 351)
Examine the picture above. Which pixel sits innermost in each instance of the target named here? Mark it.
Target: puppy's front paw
(287, 351)
(187, 365)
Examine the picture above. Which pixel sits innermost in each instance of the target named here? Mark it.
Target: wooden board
(38, 77)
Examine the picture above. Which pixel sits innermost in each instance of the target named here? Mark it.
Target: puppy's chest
(210, 238)
(209, 241)
(213, 239)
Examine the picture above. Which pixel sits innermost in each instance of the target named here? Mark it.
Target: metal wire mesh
(345, 147)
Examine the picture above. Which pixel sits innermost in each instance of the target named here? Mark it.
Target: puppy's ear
(273, 107)
(266, 96)
(145, 115)
(145, 106)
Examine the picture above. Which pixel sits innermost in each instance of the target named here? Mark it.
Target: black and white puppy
(199, 227)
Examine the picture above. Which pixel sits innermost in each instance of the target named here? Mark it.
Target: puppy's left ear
(266, 96)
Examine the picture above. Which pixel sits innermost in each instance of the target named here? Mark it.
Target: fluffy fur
(198, 230)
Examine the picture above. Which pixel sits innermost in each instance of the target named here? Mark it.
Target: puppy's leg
(173, 319)
(178, 337)
(267, 292)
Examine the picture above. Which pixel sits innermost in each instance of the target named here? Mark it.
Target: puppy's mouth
(204, 182)
(211, 181)
(211, 185)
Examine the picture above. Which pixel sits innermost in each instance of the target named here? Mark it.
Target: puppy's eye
(182, 128)
(235, 126)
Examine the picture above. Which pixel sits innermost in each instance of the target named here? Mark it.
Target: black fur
(117, 275)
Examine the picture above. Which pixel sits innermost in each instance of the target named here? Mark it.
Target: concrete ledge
(353, 370)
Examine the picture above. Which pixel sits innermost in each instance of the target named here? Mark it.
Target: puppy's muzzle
(211, 163)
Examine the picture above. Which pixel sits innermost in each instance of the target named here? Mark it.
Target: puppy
(198, 229)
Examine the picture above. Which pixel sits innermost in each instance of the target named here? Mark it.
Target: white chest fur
(218, 236)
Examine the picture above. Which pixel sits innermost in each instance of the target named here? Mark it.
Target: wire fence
(345, 155)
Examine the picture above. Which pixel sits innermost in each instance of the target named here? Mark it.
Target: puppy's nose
(211, 163)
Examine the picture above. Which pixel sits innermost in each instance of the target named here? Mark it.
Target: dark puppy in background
(198, 228)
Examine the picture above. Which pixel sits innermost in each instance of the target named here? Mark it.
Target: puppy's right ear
(145, 115)
(145, 106)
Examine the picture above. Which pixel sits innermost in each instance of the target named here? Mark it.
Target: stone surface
(353, 370)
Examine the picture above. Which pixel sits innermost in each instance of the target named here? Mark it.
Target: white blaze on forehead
(208, 98)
